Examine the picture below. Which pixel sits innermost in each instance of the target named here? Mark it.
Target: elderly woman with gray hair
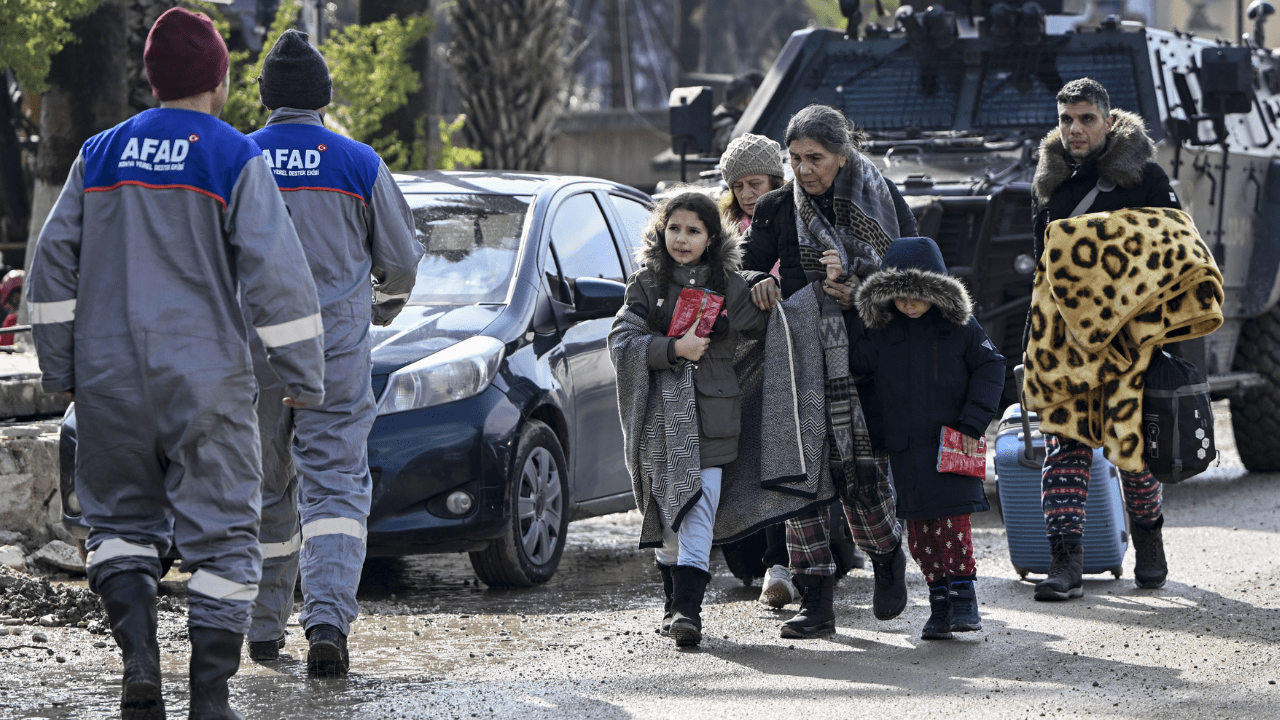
(839, 203)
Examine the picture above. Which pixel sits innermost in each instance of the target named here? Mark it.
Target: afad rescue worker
(354, 223)
(165, 222)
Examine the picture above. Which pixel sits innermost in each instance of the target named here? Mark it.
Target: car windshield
(471, 244)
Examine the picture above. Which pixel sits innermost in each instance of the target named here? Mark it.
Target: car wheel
(532, 542)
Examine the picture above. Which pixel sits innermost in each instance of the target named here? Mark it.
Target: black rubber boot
(215, 657)
(890, 596)
(327, 657)
(1065, 572)
(1149, 567)
(964, 607)
(266, 650)
(665, 627)
(130, 601)
(938, 627)
(688, 586)
(817, 616)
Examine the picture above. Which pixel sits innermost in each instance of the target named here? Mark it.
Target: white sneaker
(778, 590)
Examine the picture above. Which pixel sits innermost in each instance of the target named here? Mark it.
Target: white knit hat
(750, 155)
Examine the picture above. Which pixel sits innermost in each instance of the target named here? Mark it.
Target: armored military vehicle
(956, 103)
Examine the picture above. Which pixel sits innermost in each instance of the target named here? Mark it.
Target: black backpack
(1177, 419)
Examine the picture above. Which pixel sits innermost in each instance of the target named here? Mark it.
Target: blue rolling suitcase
(1018, 471)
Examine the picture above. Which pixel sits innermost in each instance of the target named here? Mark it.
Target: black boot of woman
(817, 616)
(667, 592)
(689, 584)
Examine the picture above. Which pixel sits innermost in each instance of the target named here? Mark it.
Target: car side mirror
(595, 298)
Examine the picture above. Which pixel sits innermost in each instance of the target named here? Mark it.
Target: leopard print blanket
(1109, 289)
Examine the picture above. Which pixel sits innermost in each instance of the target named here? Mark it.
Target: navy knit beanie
(920, 253)
(295, 75)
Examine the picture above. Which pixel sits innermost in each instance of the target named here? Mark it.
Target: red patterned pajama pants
(943, 548)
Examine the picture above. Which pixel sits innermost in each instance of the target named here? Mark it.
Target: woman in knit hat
(752, 166)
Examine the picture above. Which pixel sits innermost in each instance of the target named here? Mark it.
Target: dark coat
(718, 395)
(937, 370)
(1127, 161)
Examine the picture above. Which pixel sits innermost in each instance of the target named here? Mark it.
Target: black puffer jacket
(937, 370)
(1127, 162)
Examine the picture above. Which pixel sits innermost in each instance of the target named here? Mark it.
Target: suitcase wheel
(1022, 573)
(1117, 571)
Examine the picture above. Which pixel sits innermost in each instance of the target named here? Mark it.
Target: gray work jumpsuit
(165, 222)
(354, 225)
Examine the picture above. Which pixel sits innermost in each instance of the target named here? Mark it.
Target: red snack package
(951, 457)
(695, 305)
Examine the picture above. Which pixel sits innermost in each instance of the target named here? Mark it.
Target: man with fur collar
(1094, 147)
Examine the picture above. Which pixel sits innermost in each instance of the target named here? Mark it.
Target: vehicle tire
(1255, 414)
(532, 542)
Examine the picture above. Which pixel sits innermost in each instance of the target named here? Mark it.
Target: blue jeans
(692, 544)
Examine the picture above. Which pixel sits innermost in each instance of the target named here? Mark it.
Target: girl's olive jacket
(717, 392)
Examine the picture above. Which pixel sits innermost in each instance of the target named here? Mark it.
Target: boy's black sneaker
(938, 627)
(964, 607)
(1065, 572)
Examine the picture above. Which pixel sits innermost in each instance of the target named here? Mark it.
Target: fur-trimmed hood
(1128, 151)
(654, 248)
(912, 268)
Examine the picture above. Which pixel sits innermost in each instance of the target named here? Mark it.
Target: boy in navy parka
(934, 367)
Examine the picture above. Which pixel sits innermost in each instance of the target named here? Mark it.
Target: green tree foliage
(510, 61)
(372, 80)
(32, 31)
(451, 157)
(244, 110)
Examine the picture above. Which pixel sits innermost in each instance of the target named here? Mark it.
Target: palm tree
(510, 59)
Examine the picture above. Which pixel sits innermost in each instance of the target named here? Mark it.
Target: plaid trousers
(872, 514)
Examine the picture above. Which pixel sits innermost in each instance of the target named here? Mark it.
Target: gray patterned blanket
(781, 469)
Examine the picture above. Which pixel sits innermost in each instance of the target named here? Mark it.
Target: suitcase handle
(1028, 457)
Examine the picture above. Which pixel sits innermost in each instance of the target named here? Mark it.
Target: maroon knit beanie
(185, 55)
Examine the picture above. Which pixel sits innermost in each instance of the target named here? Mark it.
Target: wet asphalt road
(433, 643)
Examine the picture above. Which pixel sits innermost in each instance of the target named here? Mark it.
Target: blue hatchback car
(497, 406)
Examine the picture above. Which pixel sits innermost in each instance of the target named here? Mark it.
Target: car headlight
(458, 372)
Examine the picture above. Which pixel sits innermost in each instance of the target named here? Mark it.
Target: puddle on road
(601, 568)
